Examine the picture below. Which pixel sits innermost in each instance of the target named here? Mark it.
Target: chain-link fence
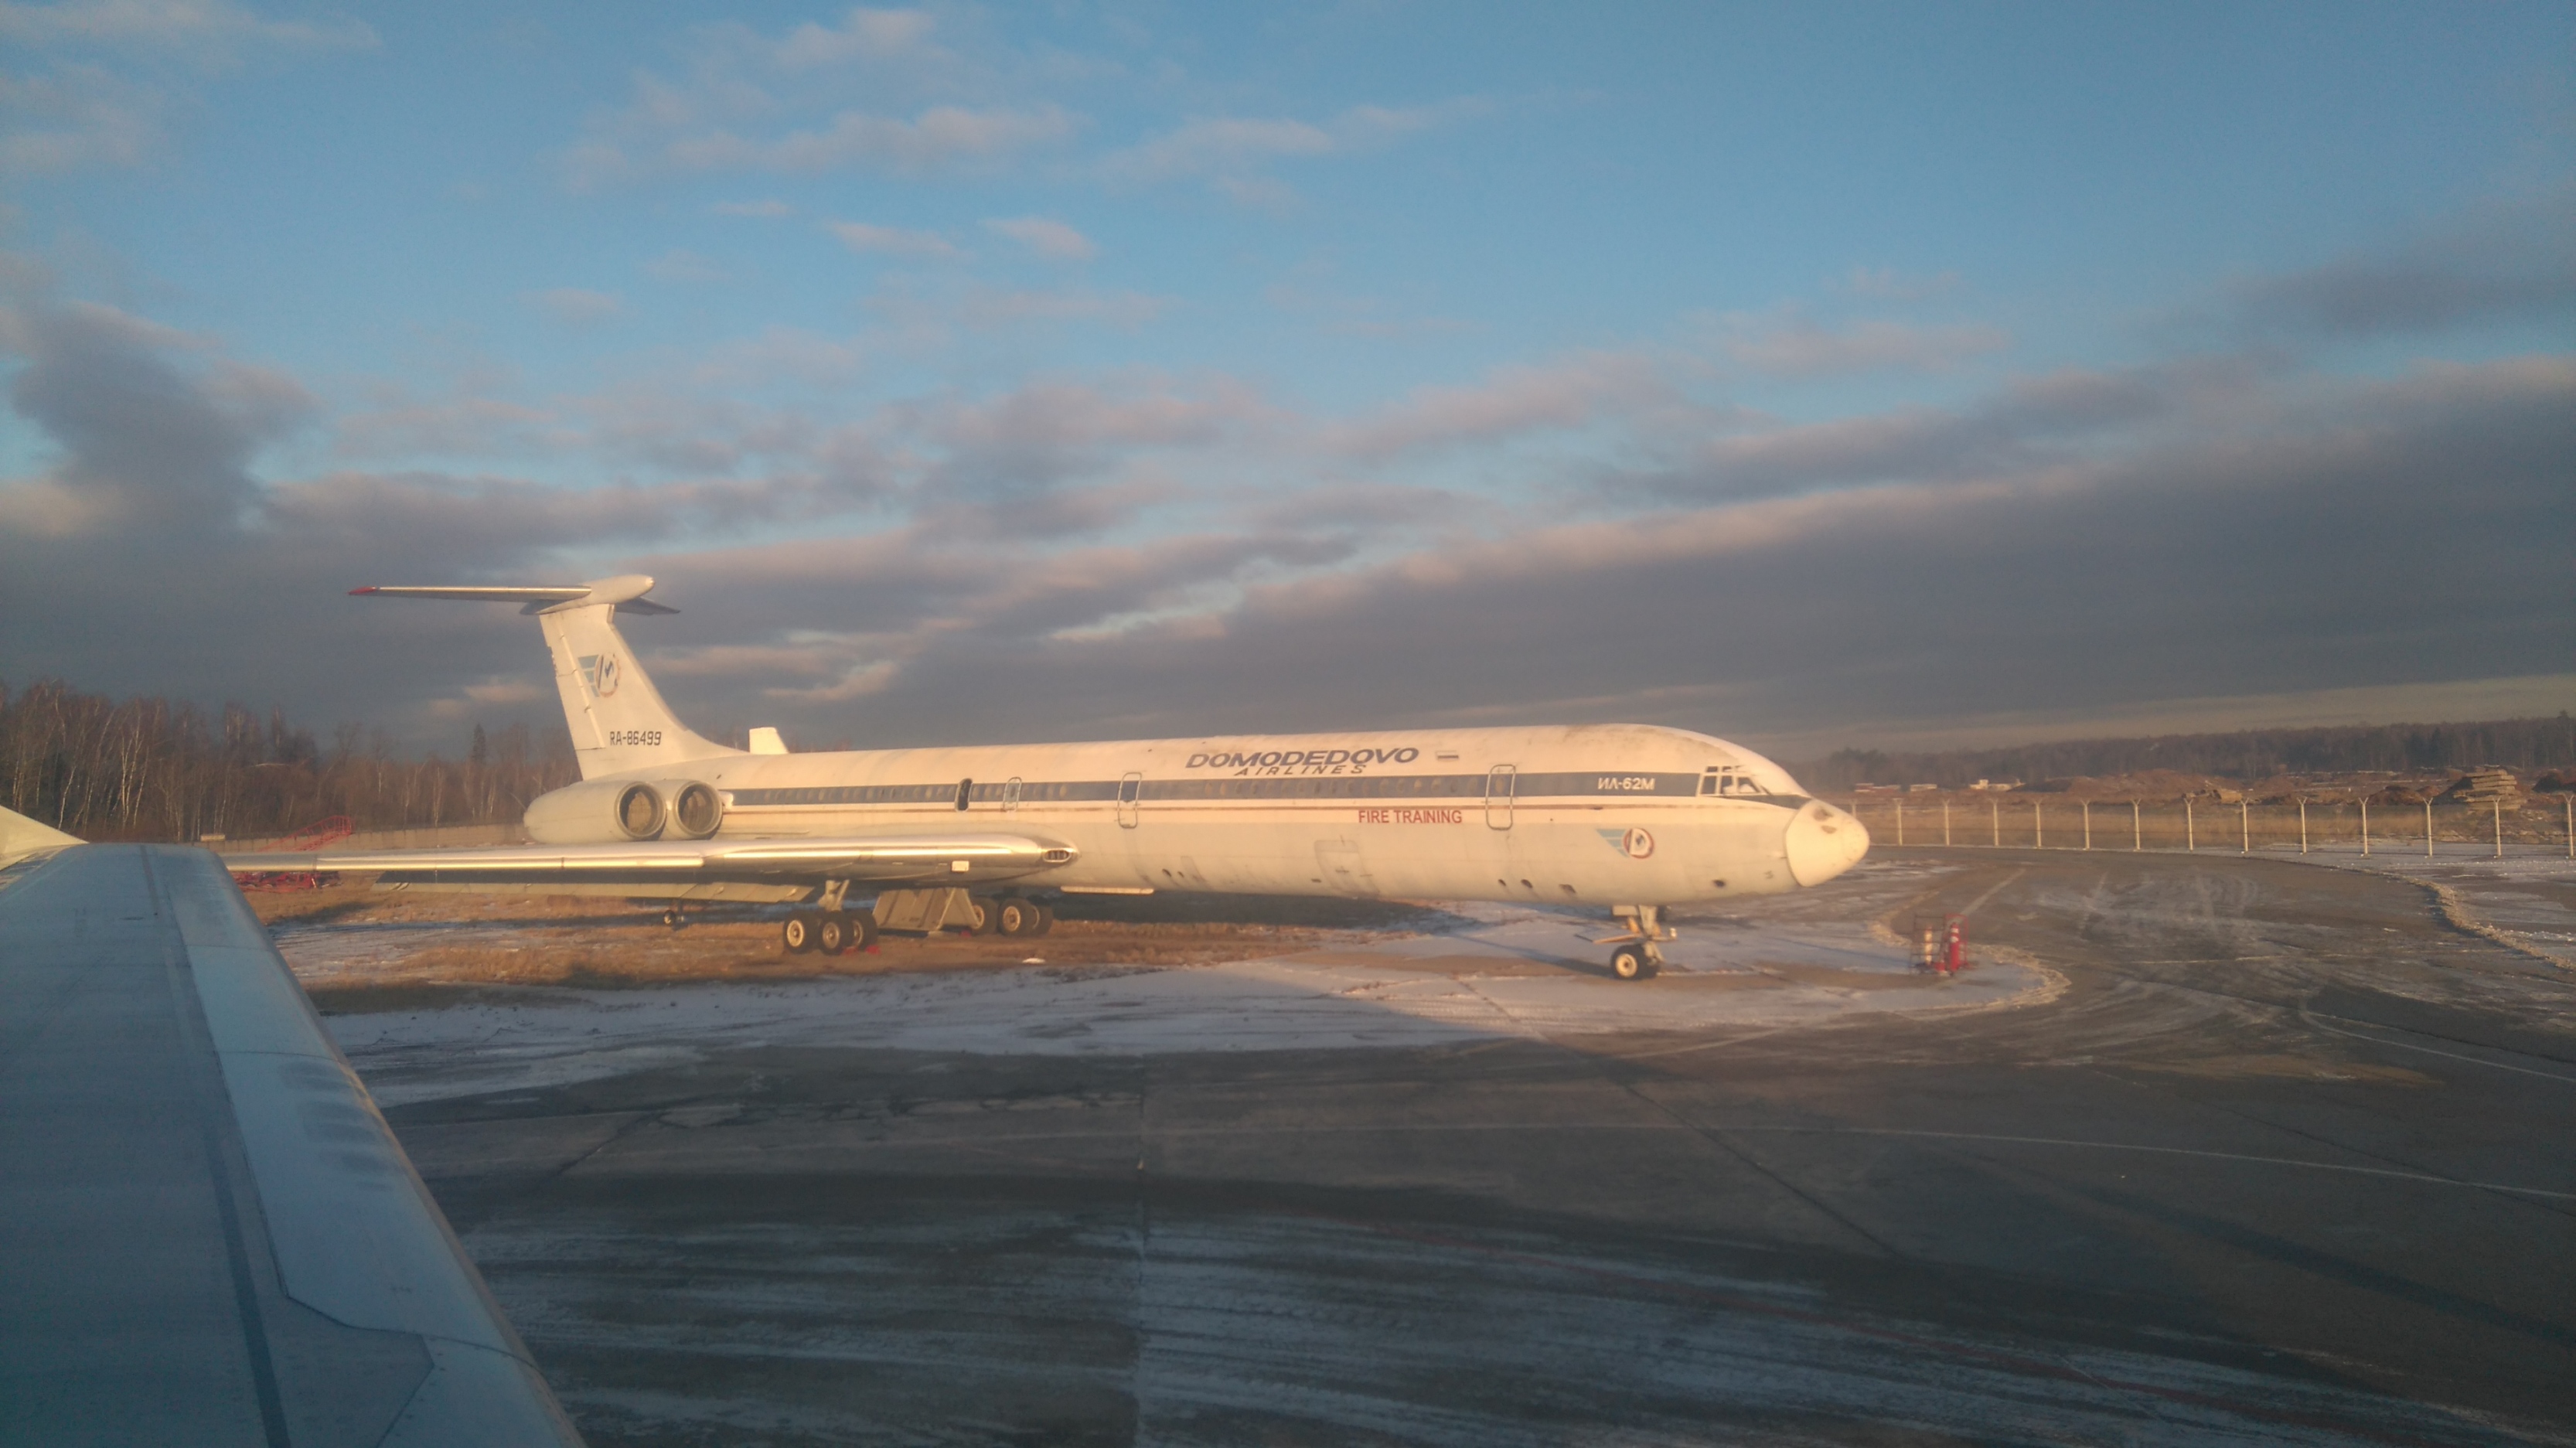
(2546, 826)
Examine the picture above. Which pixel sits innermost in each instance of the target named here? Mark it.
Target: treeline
(2252, 754)
(149, 769)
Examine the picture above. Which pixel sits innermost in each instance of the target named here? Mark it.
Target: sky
(1811, 376)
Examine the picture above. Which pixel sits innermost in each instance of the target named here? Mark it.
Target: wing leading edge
(209, 1233)
(884, 859)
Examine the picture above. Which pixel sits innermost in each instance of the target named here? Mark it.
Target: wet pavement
(2199, 1151)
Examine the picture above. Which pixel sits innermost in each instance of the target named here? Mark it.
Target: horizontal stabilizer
(626, 591)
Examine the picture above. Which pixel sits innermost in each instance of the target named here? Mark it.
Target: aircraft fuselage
(1584, 814)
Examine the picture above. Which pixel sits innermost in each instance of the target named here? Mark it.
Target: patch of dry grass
(591, 944)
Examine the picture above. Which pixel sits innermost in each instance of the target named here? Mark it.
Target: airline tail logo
(599, 674)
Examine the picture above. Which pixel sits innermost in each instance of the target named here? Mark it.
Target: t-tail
(618, 720)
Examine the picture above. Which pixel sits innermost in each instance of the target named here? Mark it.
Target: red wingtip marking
(354, 592)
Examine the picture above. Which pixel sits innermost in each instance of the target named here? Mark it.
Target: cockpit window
(1726, 779)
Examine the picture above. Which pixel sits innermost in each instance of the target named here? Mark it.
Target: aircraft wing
(208, 1233)
(963, 857)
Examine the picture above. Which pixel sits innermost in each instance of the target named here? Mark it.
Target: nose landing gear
(1639, 954)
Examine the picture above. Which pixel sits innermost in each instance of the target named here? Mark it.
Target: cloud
(1511, 402)
(2183, 569)
(575, 307)
(92, 83)
(76, 116)
(1232, 153)
(144, 433)
(860, 236)
(863, 34)
(770, 209)
(2030, 425)
(988, 309)
(205, 31)
(1039, 435)
(666, 132)
(1121, 553)
(939, 138)
(2503, 263)
(1796, 346)
(1046, 237)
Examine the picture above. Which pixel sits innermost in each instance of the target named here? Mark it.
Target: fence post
(1945, 819)
(2244, 828)
(2137, 831)
(2303, 826)
(1995, 808)
(2499, 826)
(2570, 802)
(2038, 831)
(2190, 832)
(1900, 819)
(2088, 824)
(2428, 829)
(2365, 826)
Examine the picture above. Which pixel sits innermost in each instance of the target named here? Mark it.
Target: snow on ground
(2526, 899)
(1504, 972)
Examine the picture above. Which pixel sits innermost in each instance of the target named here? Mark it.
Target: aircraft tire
(981, 913)
(832, 933)
(1015, 918)
(863, 930)
(797, 932)
(1046, 918)
(1628, 962)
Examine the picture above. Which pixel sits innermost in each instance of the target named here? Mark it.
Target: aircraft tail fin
(21, 837)
(618, 720)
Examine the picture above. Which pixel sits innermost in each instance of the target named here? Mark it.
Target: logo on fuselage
(1633, 842)
(1302, 761)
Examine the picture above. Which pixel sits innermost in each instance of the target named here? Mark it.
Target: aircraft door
(1500, 783)
(1130, 786)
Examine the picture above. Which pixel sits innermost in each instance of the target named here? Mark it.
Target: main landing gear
(1011, 917)
(1639, 954)
(831, 932)
(1015, 918)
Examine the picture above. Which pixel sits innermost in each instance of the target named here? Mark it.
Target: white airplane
(1629, 817)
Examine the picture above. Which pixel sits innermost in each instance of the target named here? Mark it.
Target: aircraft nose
(1822, 842)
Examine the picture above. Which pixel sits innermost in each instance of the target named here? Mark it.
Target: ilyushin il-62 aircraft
(1627, 818)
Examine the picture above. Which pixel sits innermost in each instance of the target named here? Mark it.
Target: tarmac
(2198, 1150)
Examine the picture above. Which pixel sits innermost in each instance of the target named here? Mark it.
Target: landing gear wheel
(1046, 919)
(673, 918)
(1629, 962)
(980, 914)
(1015, 918)
(832, 936)
(797, 934)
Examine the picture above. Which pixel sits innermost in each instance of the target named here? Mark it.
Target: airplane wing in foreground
(208, 1233)
(774, 868)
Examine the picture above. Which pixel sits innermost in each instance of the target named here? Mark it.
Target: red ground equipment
(310, 839)
(1940, 943)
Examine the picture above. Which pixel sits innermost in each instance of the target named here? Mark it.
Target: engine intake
(639, 812)
(697, 810)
